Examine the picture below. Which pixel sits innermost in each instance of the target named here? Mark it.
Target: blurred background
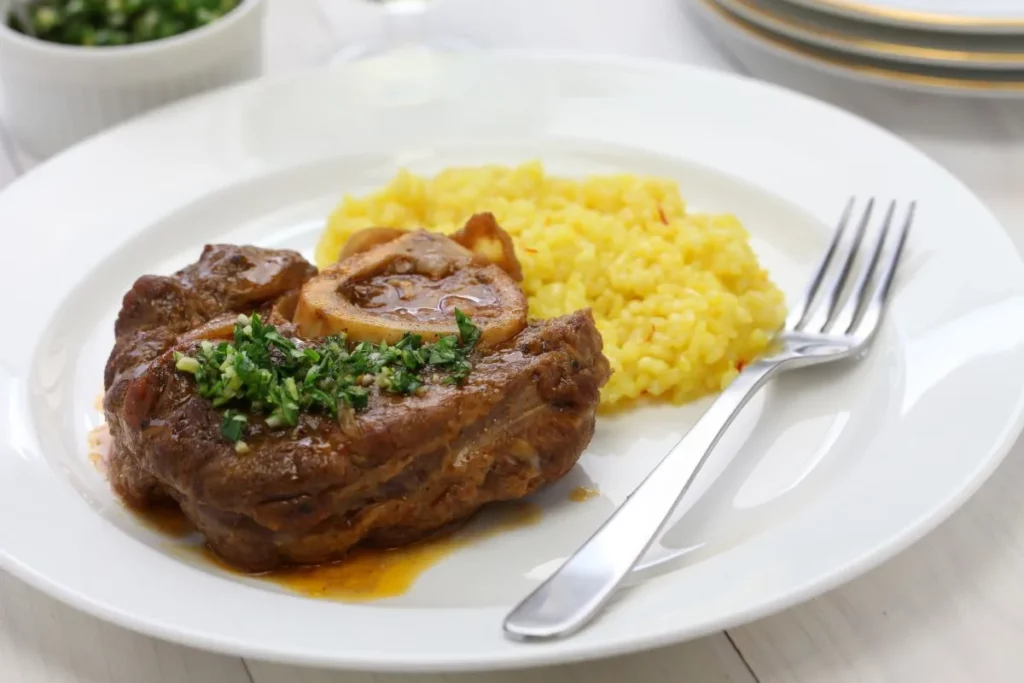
(928, 79)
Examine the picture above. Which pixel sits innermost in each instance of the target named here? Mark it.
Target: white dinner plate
(827, 474)
(960, 16)
(771, 53)
(974, 51)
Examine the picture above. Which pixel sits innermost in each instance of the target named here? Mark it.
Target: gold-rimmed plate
(910, 46)
(957, 16)
(752, 43)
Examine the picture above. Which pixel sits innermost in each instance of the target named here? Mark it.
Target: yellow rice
(679, 298)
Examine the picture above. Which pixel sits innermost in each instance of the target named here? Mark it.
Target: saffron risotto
(679, 298)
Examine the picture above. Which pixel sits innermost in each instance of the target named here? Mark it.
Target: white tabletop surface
(949, 609)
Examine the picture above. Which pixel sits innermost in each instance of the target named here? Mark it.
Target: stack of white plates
(972, 47)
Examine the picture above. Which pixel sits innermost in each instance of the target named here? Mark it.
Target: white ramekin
(55, 95)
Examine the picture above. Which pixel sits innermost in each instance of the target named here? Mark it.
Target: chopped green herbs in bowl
(117, 22)
(76, 67)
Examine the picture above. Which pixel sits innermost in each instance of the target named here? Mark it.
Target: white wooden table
(949, 609)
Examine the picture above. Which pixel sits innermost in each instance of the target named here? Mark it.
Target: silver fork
(837, 319)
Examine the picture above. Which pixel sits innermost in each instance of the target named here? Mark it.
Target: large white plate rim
(572, 649)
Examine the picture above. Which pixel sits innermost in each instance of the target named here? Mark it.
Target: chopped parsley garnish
(263, 373)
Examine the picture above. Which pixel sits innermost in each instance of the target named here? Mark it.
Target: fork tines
(850, 287)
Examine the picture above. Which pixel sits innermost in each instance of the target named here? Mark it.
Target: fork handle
(575, 593)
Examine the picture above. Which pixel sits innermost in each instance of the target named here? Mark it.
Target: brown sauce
(98, 440)
(366, 573)
(165, 519)
(98, 462)
(418, 297)
(98, 447)
(582, 493)
(372, 574)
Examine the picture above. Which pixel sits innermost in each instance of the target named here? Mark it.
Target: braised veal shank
(395, 472)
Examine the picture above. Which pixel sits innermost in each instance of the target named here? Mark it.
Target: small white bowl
(55, 94)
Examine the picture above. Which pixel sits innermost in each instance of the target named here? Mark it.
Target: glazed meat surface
(399, 470)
